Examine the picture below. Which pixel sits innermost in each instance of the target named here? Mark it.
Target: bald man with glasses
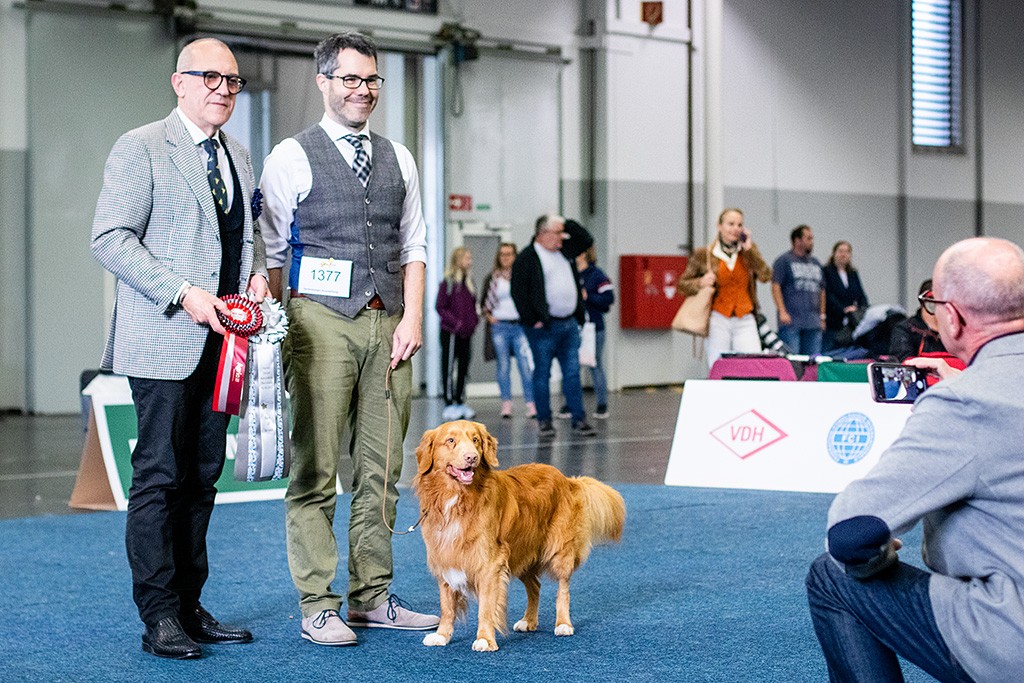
(956, 467)
(175, 225)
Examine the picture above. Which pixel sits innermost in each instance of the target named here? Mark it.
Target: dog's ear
(489, 446)
(425, 452)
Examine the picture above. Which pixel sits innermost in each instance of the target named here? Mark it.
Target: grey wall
(80, 100)
(814, 102)
(13, 164)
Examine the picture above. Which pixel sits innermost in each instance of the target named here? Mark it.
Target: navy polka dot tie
(361, 162)
(217, 186)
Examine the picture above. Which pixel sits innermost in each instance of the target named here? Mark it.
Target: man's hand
(936, 366)
(407, 340)
(258, 288)
(202, 307)
(708, 279)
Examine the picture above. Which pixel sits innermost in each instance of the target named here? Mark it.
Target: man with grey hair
(175, 225)
(343, 211)
(957, 466)
(546, 291)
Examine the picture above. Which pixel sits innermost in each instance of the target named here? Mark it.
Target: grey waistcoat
(343, 220)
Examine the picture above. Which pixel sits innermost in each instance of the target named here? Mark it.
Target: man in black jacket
(546, 291)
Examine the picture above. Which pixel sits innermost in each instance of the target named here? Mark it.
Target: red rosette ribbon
(244, 316)
(243, 320)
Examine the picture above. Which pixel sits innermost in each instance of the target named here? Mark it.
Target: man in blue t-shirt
(799, 294)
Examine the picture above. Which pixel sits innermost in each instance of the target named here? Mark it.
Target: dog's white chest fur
(456, 580)
(449, 530)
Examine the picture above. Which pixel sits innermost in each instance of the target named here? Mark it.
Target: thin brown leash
(387, 465)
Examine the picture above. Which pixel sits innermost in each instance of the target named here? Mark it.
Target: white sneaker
(327, 628)
(467, 412)
(452, 412)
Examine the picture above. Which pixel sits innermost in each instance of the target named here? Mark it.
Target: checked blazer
(155, 227)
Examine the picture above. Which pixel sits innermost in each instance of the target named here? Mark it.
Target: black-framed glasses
(213, 79)
(353, 82)
(929, 302)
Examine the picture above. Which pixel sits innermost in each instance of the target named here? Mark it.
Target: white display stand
(779, 436)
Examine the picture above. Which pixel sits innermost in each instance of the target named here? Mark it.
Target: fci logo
(748, 433)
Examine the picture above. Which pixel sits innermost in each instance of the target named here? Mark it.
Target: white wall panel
(809, 95)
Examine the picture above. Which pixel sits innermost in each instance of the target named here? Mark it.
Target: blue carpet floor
(707, 585)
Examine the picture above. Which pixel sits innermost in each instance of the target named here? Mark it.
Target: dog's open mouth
(463, 476)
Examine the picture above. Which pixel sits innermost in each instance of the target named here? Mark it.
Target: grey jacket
(155, 227)
(958, 466)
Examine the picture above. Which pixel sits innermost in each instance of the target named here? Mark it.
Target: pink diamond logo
(748, 433)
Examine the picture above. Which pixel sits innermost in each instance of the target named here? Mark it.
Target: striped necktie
(361, 162)
(217, 186)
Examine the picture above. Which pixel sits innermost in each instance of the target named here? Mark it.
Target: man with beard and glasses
(343, 211)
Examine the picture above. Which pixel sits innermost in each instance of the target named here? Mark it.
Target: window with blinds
(936, 83)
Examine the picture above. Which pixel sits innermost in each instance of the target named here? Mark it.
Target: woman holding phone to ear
(732, 264)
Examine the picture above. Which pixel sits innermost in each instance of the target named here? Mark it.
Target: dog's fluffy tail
(604, 509)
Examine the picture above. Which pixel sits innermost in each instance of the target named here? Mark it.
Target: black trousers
(454, 348)
(175, 466)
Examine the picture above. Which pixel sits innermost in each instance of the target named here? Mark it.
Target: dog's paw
(564, 630)
(523, 626)
(434, 640)
(481, 645)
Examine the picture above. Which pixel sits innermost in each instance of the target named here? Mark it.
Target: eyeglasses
(928, 303)
(353, 82)
(212, 80)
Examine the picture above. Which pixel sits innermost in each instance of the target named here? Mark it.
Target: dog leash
(387, 466)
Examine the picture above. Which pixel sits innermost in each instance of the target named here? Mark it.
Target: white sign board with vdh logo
(779, 436)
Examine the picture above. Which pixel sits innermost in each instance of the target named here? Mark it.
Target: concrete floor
(39, 455)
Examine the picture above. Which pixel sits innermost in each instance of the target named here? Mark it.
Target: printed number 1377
(322, 275)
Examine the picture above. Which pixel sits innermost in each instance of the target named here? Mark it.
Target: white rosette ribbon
(264, 451)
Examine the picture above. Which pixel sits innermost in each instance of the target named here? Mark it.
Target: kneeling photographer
(957, 466)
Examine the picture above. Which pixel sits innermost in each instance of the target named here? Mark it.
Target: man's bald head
(983, 276)
(188, 55)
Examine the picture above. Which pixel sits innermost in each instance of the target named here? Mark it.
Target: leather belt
(376, 303)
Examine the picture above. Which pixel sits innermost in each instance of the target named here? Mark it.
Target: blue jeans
(558, 339)
(597, 376)
(863, 625)
(509, 341)
(801, 340)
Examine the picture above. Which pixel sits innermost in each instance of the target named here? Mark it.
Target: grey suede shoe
(327, 628)
(393, 614)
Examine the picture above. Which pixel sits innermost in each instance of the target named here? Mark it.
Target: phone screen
(894, 383)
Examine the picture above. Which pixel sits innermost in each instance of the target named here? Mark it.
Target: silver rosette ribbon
(264, 450)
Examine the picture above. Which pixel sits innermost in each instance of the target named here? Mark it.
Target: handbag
(489, 351)
(694, 315)
(588, 345)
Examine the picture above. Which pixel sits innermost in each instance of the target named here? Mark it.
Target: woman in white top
(506, 332)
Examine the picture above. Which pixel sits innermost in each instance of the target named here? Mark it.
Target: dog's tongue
(464, 476)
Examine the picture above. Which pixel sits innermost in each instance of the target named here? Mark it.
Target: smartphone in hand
(895, 383)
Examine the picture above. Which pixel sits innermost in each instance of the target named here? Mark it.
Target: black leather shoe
(168, 639)
(203, 628)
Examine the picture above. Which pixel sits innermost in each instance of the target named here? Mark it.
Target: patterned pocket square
(257, 203)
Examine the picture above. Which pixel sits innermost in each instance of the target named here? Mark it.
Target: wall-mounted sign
(652, 13)
(460, 202)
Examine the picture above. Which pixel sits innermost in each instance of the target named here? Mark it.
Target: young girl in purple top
(456, 304)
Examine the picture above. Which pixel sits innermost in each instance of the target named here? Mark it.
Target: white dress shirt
(287, 180)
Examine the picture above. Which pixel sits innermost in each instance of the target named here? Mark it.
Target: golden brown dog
(482, 525)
